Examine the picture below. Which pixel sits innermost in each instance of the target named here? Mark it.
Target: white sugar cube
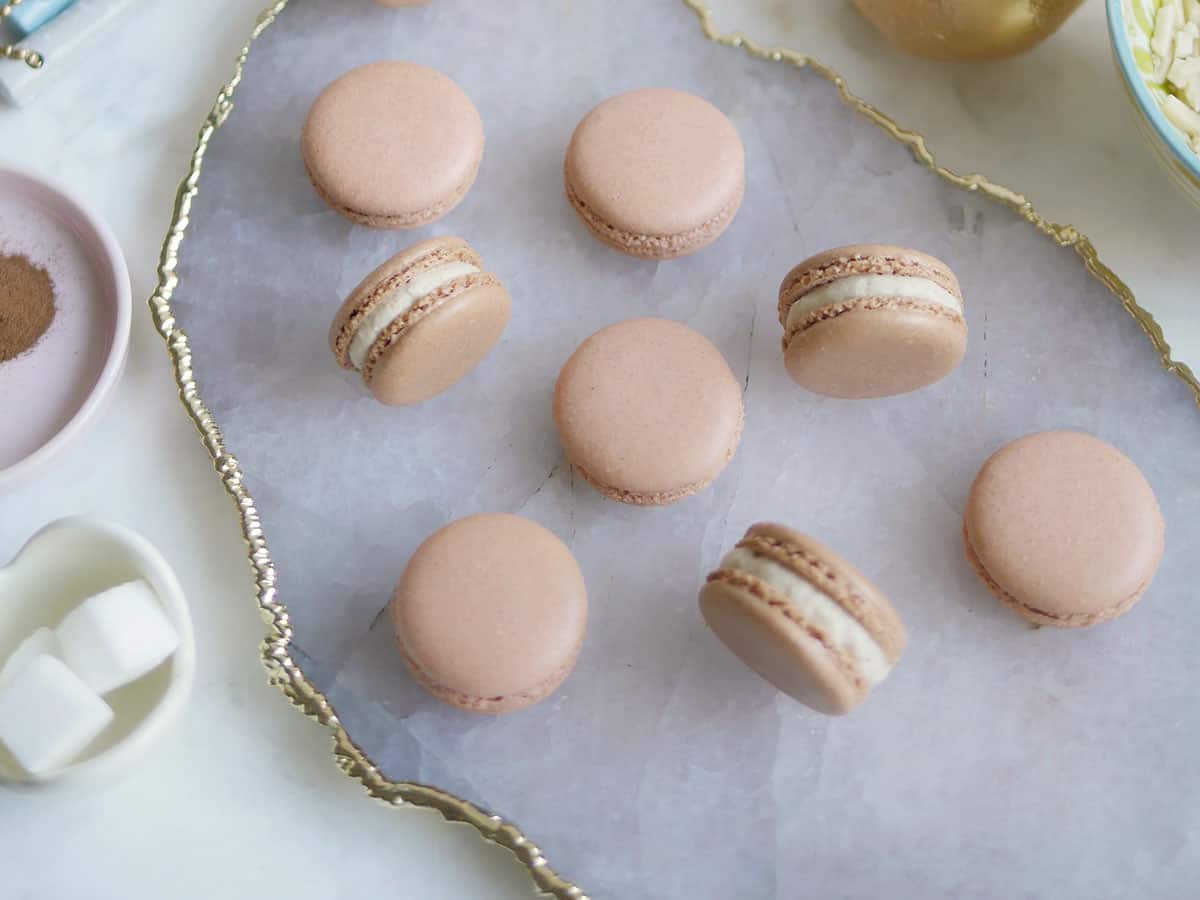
(48, 715)
(40, 642)
(117, 636)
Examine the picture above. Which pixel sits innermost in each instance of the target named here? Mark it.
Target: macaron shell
(501, 703)
(836, 576)
(393, 144)
(1065, 528)
(877, 347)
(648, 410)
(491, 612)
(657, 162)
(781, 650)
(655, 246)
(442, 346)
(417, 257)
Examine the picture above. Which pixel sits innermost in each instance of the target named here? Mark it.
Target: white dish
(60, 566)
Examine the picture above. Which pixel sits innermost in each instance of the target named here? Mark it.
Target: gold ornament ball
(966, 29)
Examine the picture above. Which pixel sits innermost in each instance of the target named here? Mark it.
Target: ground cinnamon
(26, 305)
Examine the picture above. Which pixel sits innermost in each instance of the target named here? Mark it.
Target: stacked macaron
(1064, 529)
(490, 613)
(421, 321)
(648, 411)
(803, 618)
(656, 173)
(393, 145)
(871, 321)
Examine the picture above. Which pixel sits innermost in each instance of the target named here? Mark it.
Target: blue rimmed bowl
(1130, 24)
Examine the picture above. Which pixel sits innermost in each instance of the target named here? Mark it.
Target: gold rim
(283, 671)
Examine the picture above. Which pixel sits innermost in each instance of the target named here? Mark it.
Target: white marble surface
(119, 130)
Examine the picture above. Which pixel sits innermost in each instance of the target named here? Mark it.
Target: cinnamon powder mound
(26, 305)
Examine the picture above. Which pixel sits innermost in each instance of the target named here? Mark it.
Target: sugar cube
(117, 636)
(48, 716)
(40, 642)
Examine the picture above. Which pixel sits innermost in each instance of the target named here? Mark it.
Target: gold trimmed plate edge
(283, 671)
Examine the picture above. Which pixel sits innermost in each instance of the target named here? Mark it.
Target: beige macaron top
(491, 612)
(657, 162)
(648, 411)
(396, 271)
(1064, 528)
(393, 144)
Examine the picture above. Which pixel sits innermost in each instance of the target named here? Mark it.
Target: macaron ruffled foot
(393, 145)
(803, 618)
(871, 321)
(421, 322)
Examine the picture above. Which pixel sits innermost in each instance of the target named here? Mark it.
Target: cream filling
(819, 610)
(855, 287)
(399, 301)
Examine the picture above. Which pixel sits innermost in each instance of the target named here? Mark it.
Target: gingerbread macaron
(1064, 529)
(871, 320)
(393, 145)
(803, 618)
(490, 613)
(648, 411)
(421, 321)
(656, 173)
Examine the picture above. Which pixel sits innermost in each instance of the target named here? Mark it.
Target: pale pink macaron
(803, 618)
(656, 173)
(490, 613)
(871, 320)
(421, 321)
(393, 144)
(1064, 529)
(648, 411)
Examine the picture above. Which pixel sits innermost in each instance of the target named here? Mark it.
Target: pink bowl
(49, 394)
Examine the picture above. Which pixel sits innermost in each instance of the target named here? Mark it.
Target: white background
(242, 799)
